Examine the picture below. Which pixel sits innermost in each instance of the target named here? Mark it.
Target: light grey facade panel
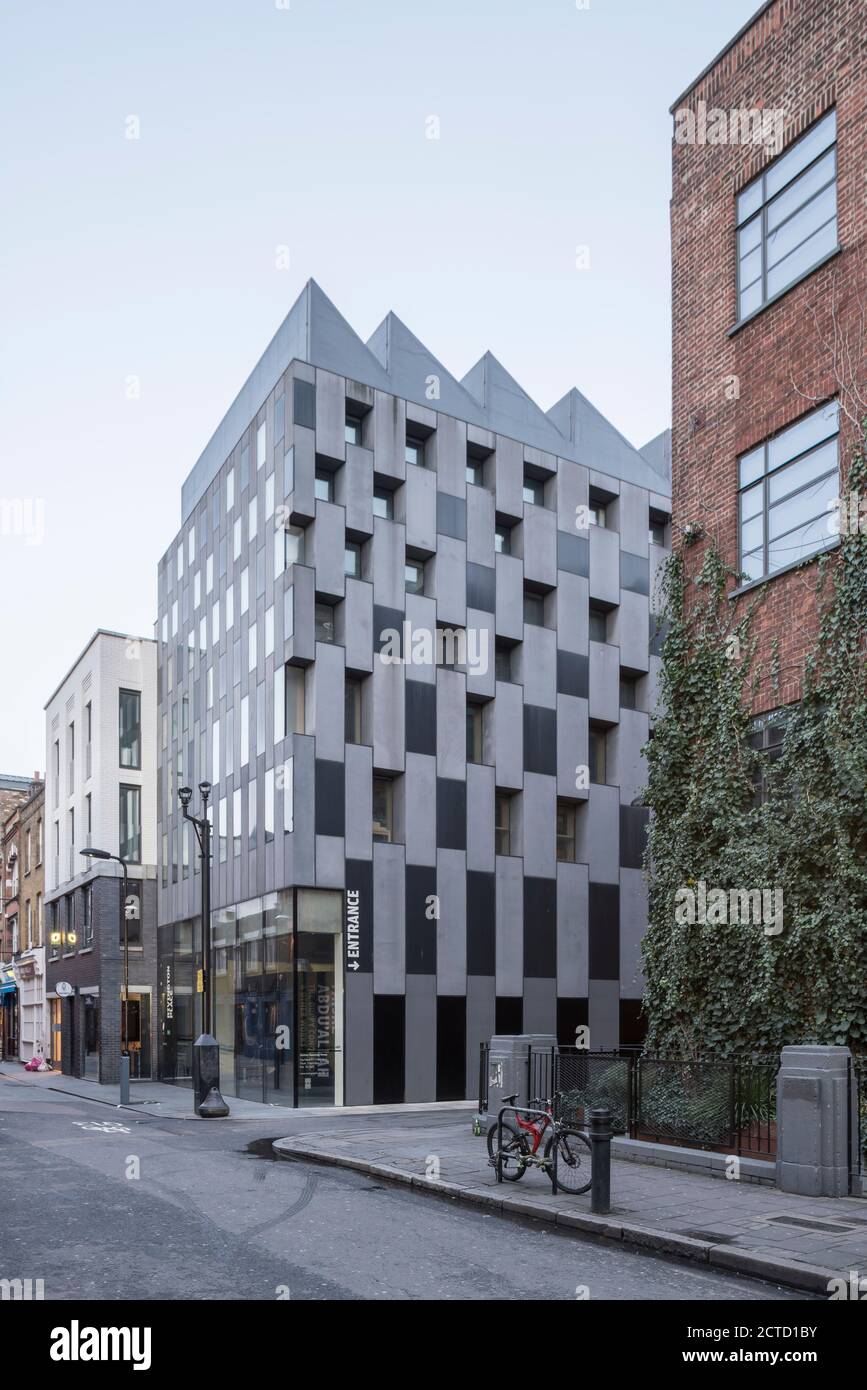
(421, 1030)
(508, 721)
(572, 600)
(538, 546)
(572, 743)
(418, 499)
(540, 1006)
(389, 930)
(572, 930)
(451, 929)
(388, 562)
(536, 664)
(358, 1059)
(421, 614)
(330, 415)
(510, 925)
(359, 769)
(481, 789)
(538, 807)
(480, 525)
(628, 769)
(451, 725)
(481, 646)
(604, 565)
(604, 682)
(510, 597)
(481, 1023)
(353, 490)
(598, 834)
(325, 551)
(449, 450)
(628, 630)
(325, 702)
(330, 861)
(420, 806)
(389, 741)
(354, 625)
(449, 577)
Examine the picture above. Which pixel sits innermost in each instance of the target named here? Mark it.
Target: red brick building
(769, 222)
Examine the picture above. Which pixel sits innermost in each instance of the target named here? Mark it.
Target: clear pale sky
(262, 127)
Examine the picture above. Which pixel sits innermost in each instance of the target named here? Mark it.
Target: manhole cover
(831, 1226)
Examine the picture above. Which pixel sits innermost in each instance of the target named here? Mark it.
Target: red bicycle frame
(535, 1127)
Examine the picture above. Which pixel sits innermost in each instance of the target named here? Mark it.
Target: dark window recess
(768, 736)
(481, 923)
(482, 587)
(389, 1031)
(604, 923)
(657, 634)
(509, 1015)
(451, 1047)
(628, 688)
(573, 674)
(634, 573)
(451, 516)
(573, 554)
(386, 622)
(540, 740)
(633, 832)
(633, 1023)
(540, 928)
(304, 403)
(572, 1014)
(421, 929)
(598, 624)
(451, 813)
(421, 717)
(330, 815)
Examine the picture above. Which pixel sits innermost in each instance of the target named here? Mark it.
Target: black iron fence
(725, 1104)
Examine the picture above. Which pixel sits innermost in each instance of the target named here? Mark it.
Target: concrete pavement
(800, 1241)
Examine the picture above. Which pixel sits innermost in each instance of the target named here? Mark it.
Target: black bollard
(207, 1100)
(600, 1171)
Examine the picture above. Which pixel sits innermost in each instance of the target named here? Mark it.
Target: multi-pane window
(786, 487)
(787, 217)
(597, 752)
(414, 451)
(382, 809)
(130, 824)
(565, 832)
(414, 577)
(502, 823)
(383, 503)
(352, 709)
(474, 733)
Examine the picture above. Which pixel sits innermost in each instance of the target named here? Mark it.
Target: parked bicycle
(522, 1139)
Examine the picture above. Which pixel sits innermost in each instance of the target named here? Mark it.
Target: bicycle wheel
(573, 1160)
(514, 1147)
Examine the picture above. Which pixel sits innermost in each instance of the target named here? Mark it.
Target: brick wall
(731, 391)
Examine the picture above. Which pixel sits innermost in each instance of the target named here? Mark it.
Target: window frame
(763, 479)
(759, 213)
(137, 799)
(388, 785)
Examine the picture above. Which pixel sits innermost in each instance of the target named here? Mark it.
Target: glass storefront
(278, 998)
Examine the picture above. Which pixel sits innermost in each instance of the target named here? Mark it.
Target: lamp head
(205, 789)
(96, 854)
(184, 795)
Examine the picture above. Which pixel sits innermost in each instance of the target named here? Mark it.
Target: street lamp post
(124, 1010)
(207, 1100)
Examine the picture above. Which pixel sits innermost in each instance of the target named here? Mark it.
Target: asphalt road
(109, 1204)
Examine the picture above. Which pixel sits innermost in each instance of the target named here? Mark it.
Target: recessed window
(474, 733)
(352, 710)
(658, 523)
(130, 824)
(293, 546)
(768, 737)
(787, 217)
(414, 577)
(786, 486)
(324, 621)
(503, 663)
(352, 559)
(294, 699)
(383, 803)
(323, 486)
(352, 429)
(534, 491)
(502, 823)
(597, 508)
(597, 752)
(565, 832)
(534, 609)
(129, 718)
(475, 473)
(503, 540)
(628, 688)
(414, 452)
(598, 624)
(383, 503)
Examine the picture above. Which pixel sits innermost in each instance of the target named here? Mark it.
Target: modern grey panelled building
(405, 631)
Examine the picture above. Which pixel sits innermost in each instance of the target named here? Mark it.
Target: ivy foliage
(733, 988)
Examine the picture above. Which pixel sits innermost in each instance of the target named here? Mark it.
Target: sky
(171, 176)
